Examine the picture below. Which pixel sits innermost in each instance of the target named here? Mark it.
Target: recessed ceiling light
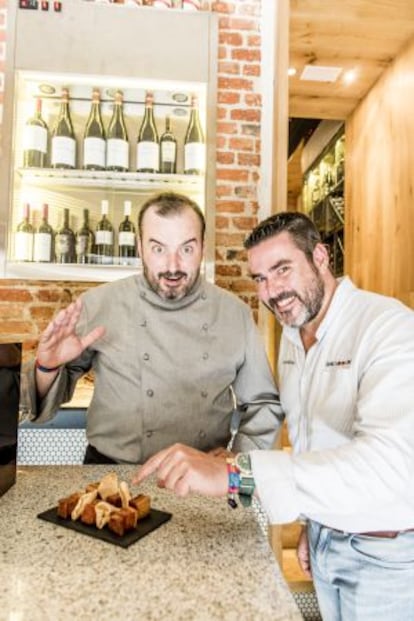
(318, 73)
(292, 71)
(350, 76)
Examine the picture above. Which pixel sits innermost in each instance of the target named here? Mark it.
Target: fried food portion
(142, 505)
(106, 502)
(66, 505)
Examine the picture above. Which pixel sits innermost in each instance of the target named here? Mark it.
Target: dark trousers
(93, 456)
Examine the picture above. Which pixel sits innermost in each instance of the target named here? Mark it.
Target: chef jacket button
(143, 294)
(204, 393)
(143, 323)
(150, 392)
(149, 433)
(202, 434)
(205, 356)
(205, 326)
(204, 296)
(146, 356)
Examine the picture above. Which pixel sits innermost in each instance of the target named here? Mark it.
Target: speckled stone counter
(207, 563)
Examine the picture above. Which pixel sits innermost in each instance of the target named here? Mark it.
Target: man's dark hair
(301, 228)
(170, 203)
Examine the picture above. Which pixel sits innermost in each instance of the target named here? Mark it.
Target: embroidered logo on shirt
(288, 362)
(339, 363)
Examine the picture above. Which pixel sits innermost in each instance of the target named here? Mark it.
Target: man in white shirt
(346, 367)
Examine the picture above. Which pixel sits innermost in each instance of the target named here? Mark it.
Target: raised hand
(185, 470)
(59, 342)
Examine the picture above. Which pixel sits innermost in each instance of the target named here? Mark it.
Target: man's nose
(173, 262)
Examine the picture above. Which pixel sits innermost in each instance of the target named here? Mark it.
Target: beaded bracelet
(45, 369)
(234, 483)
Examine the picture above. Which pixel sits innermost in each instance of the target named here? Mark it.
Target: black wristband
(45, 369)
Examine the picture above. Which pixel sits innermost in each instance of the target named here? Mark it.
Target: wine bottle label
(35, 138)
(23, 246)
(105, 238)
(94, 152)
(126, 238)
(82, 245)
(63, 244)
(63, 151)
(148, 155)
(168, 151)
(195, 156)
(117, 153)
(42, 249)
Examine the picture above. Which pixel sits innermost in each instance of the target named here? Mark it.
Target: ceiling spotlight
(291, 71)
(350, 76)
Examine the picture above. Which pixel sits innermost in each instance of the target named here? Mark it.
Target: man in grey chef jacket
(165, 348)
(346, 372)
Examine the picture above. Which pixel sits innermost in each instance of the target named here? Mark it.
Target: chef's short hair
(301, 229)
(170, 203)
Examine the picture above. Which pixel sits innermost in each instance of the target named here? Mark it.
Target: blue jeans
(362, 578)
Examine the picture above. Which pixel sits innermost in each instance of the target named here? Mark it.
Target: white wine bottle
(65, 241)
(117, 147)
(168, 150)
(63, 139)
(23, 237)
(148, 147)
(194, 144)
(104, 237)
(43, 249)
(94, 143)
(127, 248)
(85, 241)
(35, 138)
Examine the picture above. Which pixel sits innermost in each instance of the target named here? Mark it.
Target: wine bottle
(94, 143)
(65, 241)
(43, 250)
(117, 147)
(168, 150)
(63, 139)
(85, 241)
(104, 237)
(148, 147)
(23, 237)
(35, 137)
(194, 147)
(127, 248)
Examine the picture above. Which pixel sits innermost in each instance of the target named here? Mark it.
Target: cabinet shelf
(111, 180)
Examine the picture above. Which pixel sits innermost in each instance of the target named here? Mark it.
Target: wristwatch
(247, 484)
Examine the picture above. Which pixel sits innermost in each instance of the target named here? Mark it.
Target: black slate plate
(145, 526)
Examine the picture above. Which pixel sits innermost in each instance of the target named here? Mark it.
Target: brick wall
(26, 307)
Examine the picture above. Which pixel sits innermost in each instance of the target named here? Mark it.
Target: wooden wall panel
(379, 234)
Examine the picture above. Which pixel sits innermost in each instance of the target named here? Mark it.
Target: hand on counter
(185, 470)
(59, 342)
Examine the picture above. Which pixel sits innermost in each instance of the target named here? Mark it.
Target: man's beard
(311, 302)
(168, 293)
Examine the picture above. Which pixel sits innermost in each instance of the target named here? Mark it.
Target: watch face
(243, 463)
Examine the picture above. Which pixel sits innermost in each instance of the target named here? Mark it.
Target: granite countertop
(207, 563)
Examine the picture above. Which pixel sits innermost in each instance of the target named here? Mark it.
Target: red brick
(221, 142)
(222, 113)
(241, 144)
(254, 40)
(231, 174)
(228, 270)
(248, 159)
(250, 114)
(222, 222)
(222, 7)
(224, 190)
(244, 223)
(222, 53)
(18, 328)
(228, 97)
(232, 240)
(226, 23)
(229, 68)
(15, 295)
(253, 99)
(252, 70)
(235, 84)
(249, 55)
(230, 38)
(230, 206)
(227, 128)
(225, 157)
